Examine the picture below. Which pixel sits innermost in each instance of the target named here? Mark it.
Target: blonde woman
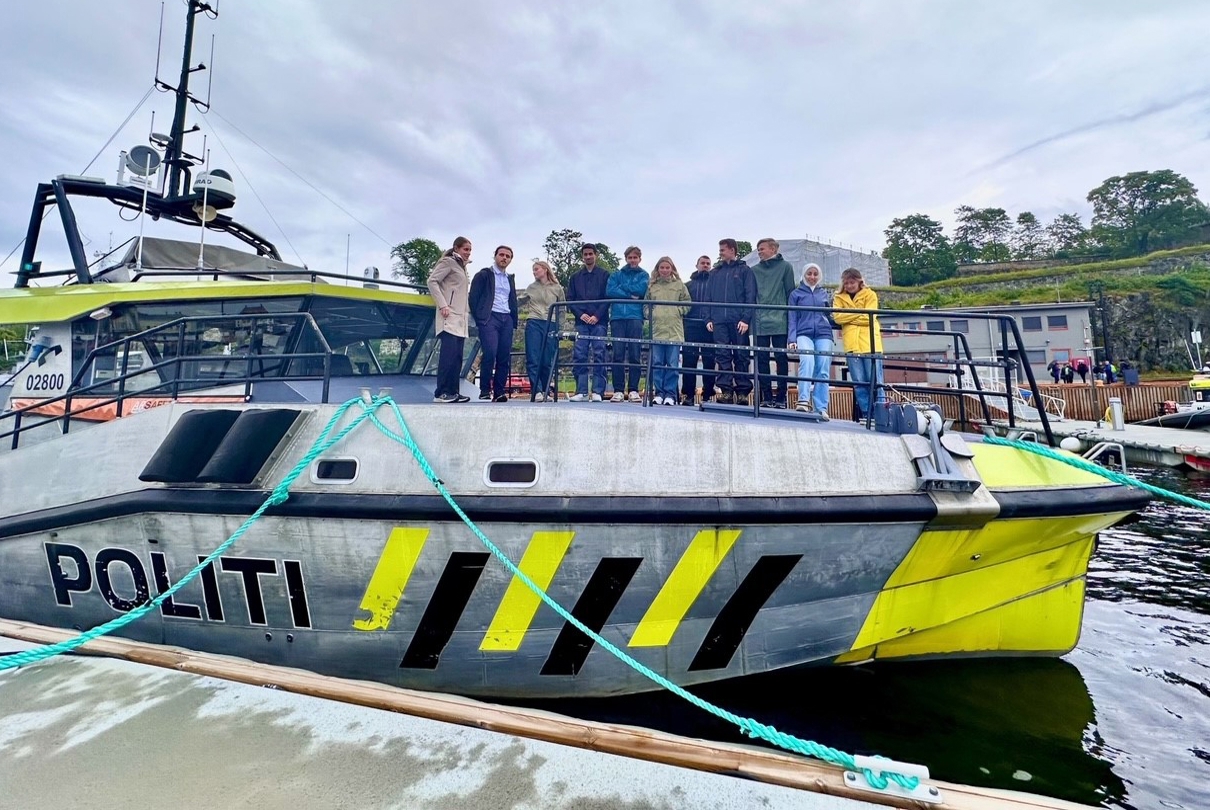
(863, 347)
(539, 355)
(667, 329)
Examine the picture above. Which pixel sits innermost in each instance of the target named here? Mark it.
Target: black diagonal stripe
(605, 587)
(736, 616)
(437, 625)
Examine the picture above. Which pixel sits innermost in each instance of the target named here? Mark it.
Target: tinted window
(960, 326)
(936, 326)
(512, 472)
(1032, 323)
(341, 469)
(1056, 321)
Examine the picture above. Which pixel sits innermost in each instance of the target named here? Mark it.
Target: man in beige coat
(449, 285)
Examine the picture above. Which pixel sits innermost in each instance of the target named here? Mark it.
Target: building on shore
(1061, 333)
(832, 259)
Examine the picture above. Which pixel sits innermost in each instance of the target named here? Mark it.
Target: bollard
(1116, 414)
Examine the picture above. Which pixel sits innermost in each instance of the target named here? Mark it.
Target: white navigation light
(206, 213)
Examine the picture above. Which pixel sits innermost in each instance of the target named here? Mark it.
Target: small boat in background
(1191, 415)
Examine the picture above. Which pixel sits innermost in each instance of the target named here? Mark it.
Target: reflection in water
(1122, 722)
(977, 721)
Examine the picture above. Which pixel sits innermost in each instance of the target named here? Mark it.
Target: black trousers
(496, 335)
(696, 332)
(449, 363)
(732, 362)
(781, 362)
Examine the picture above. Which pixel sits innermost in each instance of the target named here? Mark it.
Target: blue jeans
(496, 336)
(627, 356)
(863, 368)
(538, 364)
(586, 351)
(665, 354)
(814, 369)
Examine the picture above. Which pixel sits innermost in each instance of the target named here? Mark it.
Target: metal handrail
(1011, 341)
(253, 275)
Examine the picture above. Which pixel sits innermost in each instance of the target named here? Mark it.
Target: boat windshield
(264, 337)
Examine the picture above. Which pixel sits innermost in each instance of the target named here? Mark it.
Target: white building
(832, 259)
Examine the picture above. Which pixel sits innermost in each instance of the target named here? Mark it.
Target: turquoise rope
(277, 496)
(1083, 464)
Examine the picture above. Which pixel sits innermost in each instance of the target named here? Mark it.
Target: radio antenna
(201, 245)
(159, 45)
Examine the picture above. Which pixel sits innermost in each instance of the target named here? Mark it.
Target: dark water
(1121, 722)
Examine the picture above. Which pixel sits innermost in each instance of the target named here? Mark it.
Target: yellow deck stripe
(519, 605)
(694, 569)
(390, 577)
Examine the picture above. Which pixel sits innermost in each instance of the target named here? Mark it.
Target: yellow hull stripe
(520, 604)
(1012, 585)
(390, 577)
(694, 569)
(1009, 468)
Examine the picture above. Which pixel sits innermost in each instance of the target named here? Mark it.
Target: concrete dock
(1160, 446)
(82, 731)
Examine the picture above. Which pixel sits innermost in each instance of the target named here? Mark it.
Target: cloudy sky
(663, 124)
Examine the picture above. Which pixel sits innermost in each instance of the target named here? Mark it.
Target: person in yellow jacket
(863, 348)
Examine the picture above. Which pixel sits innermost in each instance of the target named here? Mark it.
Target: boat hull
(423, 604)
(717, 571)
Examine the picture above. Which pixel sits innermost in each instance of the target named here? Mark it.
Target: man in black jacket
(493, 304)
(732, 292)
(696, 332)
(588, 284)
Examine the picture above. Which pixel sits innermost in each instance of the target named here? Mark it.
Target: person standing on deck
(628, 283)
(541, 333)
(493, 300)
(811, 336)
(449, 285)
(860, 340)
(589, 284)
(731, 292)
(774, 283)
(667, 330)
(696, 332)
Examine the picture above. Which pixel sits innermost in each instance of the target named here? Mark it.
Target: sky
(350, 127)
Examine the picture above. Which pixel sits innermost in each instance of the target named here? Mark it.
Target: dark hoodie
(732, 285)
(697, 291)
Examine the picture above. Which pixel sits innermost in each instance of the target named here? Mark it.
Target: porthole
(511, 472)
(334, 471)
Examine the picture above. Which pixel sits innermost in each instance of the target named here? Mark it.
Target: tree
(918, 251)
(606, 257)
(414, 259)
(1029, 237)
(562, 250)
(1143, 211)
(1067, 235)
(742, 248)
(982, 235)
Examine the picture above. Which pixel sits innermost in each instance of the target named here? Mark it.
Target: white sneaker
(823, 416)
(657, 401)
(581, 398)
(618, 397)
(803, 407)
(596, 397)
(634, 397)
(669, 401)
(539, 397)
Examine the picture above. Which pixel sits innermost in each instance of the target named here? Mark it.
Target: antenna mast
(175, 158)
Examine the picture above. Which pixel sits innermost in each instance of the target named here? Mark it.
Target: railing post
(649, 327)
(16, 428)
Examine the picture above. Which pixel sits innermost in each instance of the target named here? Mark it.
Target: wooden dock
(132, 731)
(1166, 447)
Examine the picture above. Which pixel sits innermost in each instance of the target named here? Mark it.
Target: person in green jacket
(667, 330)
(774, 283)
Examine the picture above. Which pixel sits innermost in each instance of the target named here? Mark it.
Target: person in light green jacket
(667, 329)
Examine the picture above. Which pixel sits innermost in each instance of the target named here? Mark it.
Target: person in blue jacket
(628, 283)
(811, 336)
